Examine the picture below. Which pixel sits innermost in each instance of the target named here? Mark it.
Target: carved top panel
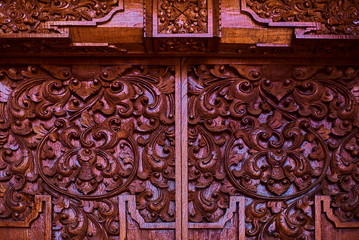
(334, 17)
(182, 16)
(28, 16)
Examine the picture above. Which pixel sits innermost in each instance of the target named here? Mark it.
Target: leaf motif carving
(285, 130)
(40, 131)
(79, 134)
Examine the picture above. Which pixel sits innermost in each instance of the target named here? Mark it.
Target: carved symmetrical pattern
(28, 16)
(182, 16)
(278, 135)
(182, 45)
(336, 17)
(84, 135)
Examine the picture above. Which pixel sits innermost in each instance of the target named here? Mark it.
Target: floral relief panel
(85, 135)
(279, 135)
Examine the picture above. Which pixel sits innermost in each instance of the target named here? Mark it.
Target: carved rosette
(85, 135)
(182, 16)
(29, 16)
(336, 17)
(278, 135)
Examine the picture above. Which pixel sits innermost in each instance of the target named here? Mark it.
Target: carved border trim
(322, 205)
(62, 26)
(270, 22)
(135, 214)
(94, 22)
(234, 200)
(299, 33)
(41, 202)
(129, 202)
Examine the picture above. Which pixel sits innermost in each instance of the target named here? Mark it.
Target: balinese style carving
(278, 135)
(28, 16)
(335, 17)
(84, 135)
(182, 45)
(178, 16)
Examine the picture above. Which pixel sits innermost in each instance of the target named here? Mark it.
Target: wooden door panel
(278, 135)
(98, 140)
(118, 149)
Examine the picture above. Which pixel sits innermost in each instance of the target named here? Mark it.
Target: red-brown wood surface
(179, 119)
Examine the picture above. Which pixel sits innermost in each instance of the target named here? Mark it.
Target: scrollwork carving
(277, 134)
(85, 134)
(28, 16)
(336, 17)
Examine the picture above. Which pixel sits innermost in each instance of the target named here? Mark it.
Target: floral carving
(336, 17)
(182, 16)
(85, 134)
(28, 16)
(182, 45)
(278, 135)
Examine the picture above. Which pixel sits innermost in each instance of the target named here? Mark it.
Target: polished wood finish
(179, 119)
(204, 27)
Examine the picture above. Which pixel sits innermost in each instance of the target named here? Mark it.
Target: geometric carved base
(36, 226)
(128, 202)
(328, 226)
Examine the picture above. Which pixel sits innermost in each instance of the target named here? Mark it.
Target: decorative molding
(182, 45)
(57, 46)
(135, 214)
(236, 205)
(322, 205)
(29, 18)
(319, 18)
(41, 202)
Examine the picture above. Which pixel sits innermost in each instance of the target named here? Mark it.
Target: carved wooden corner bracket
(322, 205)
(41, 201)
(135, 214)
(42, 205)
(233, 202)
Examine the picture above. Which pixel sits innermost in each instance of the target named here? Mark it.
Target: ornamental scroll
(279, 135)
(42, 16)
(86, 135)
(328, 17)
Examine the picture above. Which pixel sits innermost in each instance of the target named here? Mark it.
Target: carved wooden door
(178, 148)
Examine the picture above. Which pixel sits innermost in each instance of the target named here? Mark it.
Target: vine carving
(85, 134)
(336, 17)
(28, 16)
(278, 135)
